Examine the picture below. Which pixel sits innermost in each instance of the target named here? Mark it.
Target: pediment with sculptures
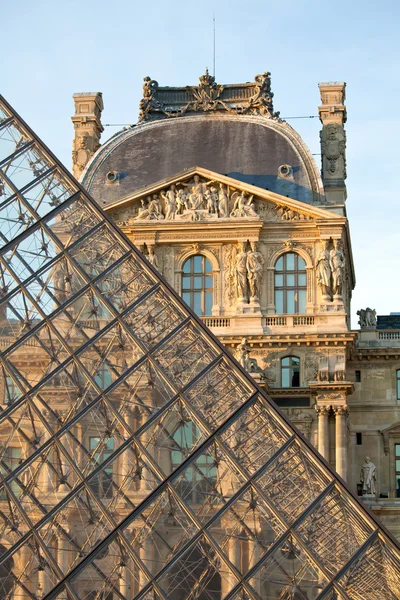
(200, 199)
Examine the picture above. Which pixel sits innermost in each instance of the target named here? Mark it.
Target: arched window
(197, 284)
(290, 371)
(398, 384)
(290, 284)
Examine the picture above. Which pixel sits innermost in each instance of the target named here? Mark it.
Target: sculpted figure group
(196, 200)
(367, 317)
(247, 273)
(330, 268)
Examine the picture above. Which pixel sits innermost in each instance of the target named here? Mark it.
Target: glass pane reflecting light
(136, 459)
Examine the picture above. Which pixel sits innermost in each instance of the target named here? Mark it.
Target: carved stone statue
(241, 273)
(337, 263)
(243, 207)
(170, 203)
(323, 271)
(367, 318)
(181, 202)
(151, 211)
(151, 257)
(255, 263)
(196, 192)
(242, 353)
(223, 202)
(368, 477)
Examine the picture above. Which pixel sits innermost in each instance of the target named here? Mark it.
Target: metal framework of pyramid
(137, 458)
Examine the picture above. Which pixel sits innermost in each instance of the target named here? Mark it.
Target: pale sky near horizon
(52, 49)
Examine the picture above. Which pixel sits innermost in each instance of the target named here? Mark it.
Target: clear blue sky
(51, 49)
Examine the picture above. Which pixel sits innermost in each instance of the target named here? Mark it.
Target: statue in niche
(367, 317)
(254, 265)
(151, 256)
(170, 203)
(368, 478)
(242, 354)
(243, 207)
(323, 271)
(337, 264)
(223, 202)
(241, 273)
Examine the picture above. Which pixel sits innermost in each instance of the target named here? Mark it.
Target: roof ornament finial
(207, 80)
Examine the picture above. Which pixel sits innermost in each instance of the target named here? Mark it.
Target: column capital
(341, 410)
(322, 411)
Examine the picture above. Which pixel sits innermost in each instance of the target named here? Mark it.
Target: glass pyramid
(138, 459)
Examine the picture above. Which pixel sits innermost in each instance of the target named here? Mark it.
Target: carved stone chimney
(332, 114)
(88, 129)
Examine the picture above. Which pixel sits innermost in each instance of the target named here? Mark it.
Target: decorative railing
(389, 335)
(213, 322)
(275, 321)
(303, 320)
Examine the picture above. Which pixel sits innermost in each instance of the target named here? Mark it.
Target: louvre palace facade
(139, 460)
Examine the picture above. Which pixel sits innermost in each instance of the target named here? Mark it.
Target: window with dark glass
(11, 391)
(103, 377)
(290, 372)
(100, 450)
(201, 476)
(10, 460)
(290, 284)
(398, 384)
(397, 450)
(197, 284)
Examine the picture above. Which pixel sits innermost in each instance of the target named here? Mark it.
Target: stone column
(341, 440)
(146, 556)
(323, 430)
(254, 557)
(234, 554)
(62, 558)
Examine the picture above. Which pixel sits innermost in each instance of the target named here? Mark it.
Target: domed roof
(231, 130)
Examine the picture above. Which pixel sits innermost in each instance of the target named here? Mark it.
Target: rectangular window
(101, 449)
(358, 376)
(11, 392)
(11, 459)
(359, 438)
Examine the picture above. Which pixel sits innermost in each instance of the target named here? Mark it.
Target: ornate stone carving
(242, 354)
(322, 411)
(208, 96)
(333, 147)
(152, 257)
(240, 273)
(367, 318)
(368, 478)
(254, 265)
(243, 206)
(323, 271)
(288, 214)
(337, 263)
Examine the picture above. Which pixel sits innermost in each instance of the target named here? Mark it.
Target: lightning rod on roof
(214, 45)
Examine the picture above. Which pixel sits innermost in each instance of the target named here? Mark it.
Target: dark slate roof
(388, 321)
(249, 149)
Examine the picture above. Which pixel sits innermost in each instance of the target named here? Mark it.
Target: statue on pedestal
(255, 263)
(368, 478)
(241, 273)
(337, 263)
(323, 271)
(242, 354)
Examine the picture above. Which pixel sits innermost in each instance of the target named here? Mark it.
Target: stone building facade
(220, 193)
